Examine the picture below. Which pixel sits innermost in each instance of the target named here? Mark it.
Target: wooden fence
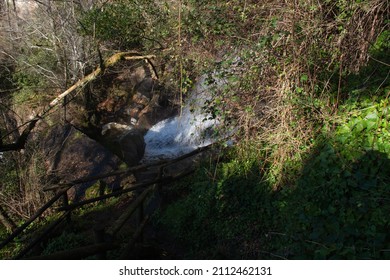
(101, 246)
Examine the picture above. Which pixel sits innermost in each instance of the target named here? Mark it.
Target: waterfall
(184, 133)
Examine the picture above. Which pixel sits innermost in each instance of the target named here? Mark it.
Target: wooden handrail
(37, 240)
(141, 167)
(103, 197)
(130, 211)
(66, 186)
(20, 229)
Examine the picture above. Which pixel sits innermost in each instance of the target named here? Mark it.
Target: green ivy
(338, 207)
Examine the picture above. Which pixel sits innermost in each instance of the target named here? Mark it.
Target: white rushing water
(184, 133)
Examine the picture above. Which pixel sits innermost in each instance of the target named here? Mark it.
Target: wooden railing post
(102, 187)
(65, 204)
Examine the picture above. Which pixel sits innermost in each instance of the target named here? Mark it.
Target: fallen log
(108, 63)
(20, 143)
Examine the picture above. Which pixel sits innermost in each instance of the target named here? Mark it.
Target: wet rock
(145, 87)
(132, 96)
(132, 145)
(125, 141)
(141, 99)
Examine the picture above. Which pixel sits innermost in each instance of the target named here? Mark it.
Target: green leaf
(299, 90)
(304, 78)
(360, 126)
(344, 130)
(371, 124)
(372, 116)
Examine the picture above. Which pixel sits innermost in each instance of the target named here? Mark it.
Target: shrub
(125, 24)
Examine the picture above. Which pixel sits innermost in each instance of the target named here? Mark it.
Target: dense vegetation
(307, 86)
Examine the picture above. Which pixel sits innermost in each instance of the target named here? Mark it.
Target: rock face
(121, 106)
(72, 155)
(133, 96)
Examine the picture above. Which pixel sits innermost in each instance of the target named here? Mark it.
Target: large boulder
(125, 141)
(71, 155)
(131, 95)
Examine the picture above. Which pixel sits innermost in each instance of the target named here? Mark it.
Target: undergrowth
(336, 208)
(306, 84)
(309, 177)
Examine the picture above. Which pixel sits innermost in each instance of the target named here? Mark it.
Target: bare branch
(21, 142)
